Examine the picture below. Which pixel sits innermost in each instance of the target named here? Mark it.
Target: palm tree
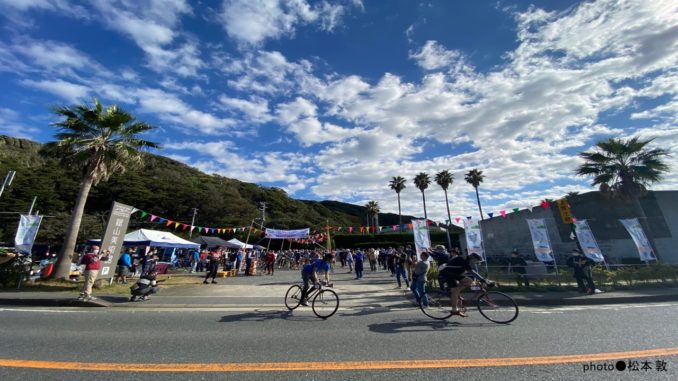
(373, 211)
(475, 177)
(625, 168)
(422, 181)
(398, 184)
(100, 142)
(444, 179)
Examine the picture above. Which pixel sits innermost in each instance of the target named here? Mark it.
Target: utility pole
(262, 208)
(30, 211)
(195, 212)
(8, 181)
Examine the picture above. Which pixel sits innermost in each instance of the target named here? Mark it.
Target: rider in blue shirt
(309, 273)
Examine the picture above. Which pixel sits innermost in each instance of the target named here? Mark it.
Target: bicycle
(324, 302)
(495, 306)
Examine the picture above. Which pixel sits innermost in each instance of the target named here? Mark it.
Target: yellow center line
(338, 365)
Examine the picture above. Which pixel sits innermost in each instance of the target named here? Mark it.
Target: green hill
(163, 187)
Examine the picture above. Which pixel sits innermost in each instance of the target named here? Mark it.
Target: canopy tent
(210, 242)
(146, 237)
(237, 244)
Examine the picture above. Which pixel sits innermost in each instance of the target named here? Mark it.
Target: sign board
(565, 212)
(113, 237)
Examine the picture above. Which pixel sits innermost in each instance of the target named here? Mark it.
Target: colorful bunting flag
(545, 204)
(457, 219)
(153, 217)
(169, 222)
(176, 225)
(516, 210)
(489, 214)
(143, 214)
(503, 213)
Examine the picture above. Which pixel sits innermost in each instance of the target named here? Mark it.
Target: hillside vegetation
(163, 187)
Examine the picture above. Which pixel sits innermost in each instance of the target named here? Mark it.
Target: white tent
(237, 244)
(145, 237)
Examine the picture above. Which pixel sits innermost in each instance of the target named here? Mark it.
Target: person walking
(401, 267)
(419, 279)
(359, 259)
(518, 265)
(582, 271)
(92, 262)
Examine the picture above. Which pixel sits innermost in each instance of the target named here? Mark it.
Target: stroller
(145, 286)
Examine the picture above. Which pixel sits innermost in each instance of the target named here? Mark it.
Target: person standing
(359, 259)
(212, 267)
(92, 262)
(124, 266)
(582, 271)
(419, 279)
(372, 257)
(349, 260)
(195, 259)
(270, 262)
(518, 265)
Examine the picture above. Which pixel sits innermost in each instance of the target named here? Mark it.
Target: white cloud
(71, 92)
(10, 125)
(434, 56)
(154, 26)
(251, 22)
(255, 110)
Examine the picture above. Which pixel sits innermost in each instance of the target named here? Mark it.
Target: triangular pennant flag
(134, 210)
(169, 222)
(516, 210)
(530, 208)
(503, 213)
(161, 220)
(153, 217)
(545, 204)
(143, 214)
(184, 226)
(457, 219)
(350, 229)
(490, 214)
(468, 218)
(409, 226)
(176, 225)
(192, 227)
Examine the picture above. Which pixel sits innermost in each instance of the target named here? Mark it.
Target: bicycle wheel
(438, 308)
(497, 307)
(293, 297)
(325, 304)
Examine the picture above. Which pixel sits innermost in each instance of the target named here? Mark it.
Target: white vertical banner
(540, 240)
(587, 242)
(474, 237)
(25, 234)
(422, 240)
(632, 225)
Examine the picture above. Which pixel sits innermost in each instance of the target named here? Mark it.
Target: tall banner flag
(587, 242)
(565, 212)
(113, 237)
(474, 238)
(287, 234)
(25, 234)
(540, 240)
(632, 225)
(422, 240)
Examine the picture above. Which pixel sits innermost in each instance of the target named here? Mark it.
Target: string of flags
(317, 235)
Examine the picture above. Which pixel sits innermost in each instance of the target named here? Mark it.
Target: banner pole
(553, 253)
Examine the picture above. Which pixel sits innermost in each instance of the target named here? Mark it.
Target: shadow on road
(259, 315)
(422, 325)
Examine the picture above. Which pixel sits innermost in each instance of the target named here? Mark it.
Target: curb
(54, 303)
(583, 301)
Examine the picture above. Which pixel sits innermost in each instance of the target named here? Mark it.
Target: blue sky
(331, 99)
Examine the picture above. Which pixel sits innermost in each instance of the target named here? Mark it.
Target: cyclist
(309, 273)
(457, 274)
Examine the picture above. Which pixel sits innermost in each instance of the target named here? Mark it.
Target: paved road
(228, 336)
